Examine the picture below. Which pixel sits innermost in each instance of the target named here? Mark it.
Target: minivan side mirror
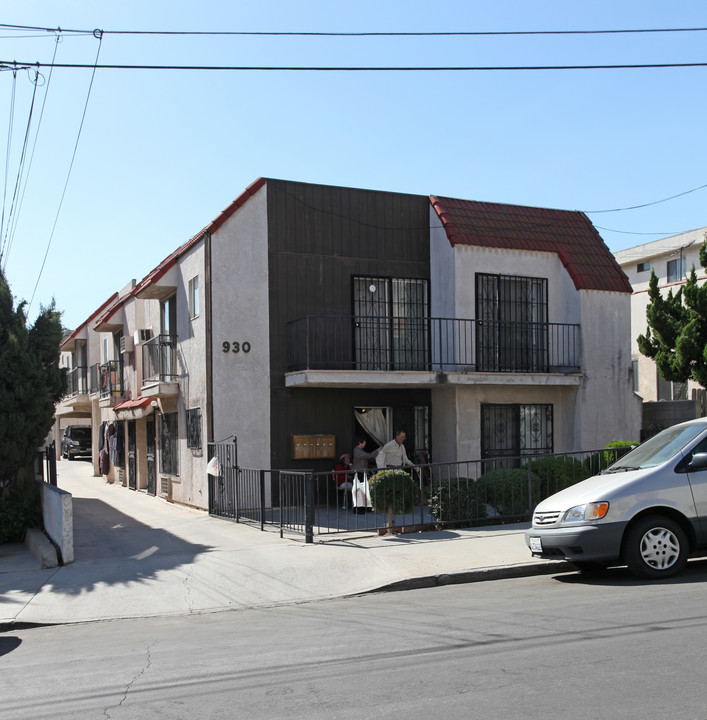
(698, 462)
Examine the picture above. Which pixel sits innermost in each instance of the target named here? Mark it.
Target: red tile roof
(569, 234)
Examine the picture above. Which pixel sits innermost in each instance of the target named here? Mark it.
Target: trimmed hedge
(393, 490)
(556, 472)
(456, 499)
(506, 490)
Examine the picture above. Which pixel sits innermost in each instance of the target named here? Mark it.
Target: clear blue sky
(161, 153)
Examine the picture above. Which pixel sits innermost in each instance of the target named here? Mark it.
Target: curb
(480, 575)
(460, 578)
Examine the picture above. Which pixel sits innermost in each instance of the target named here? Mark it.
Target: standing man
(393, 454)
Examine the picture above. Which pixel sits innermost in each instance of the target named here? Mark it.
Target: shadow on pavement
(110, 548)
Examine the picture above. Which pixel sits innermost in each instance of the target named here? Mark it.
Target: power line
(68, 176)
(15, 65)
(648, 204)
(443, 33)
(34, 147)
(6, 243)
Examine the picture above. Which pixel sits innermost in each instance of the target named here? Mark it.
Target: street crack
(136, 677)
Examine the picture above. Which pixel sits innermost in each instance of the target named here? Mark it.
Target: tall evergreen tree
(31, 381)
(676, 337)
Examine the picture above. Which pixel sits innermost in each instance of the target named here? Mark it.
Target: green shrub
(555, 473)
(22, 509)
(506, 490)
(393, 491)
(455, 499)
(601, 460)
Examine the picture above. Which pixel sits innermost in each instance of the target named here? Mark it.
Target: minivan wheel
(655, 547)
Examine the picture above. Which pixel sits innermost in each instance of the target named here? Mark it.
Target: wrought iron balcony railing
(111, 379)
(94, 380)
(159, 359)
(77, 381)
(329, 342)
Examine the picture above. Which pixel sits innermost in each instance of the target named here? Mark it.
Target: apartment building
(306, 315)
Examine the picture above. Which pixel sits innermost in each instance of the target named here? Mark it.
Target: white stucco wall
(241, 380)
(190, 486)
(607, 408)
(456, 409)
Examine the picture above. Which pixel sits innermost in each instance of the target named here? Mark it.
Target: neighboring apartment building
(305, 315)
(672, 260)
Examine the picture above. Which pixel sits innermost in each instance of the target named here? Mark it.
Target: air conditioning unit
(142, 335)
(127, 345)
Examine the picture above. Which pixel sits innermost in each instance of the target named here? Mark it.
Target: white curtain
(375, 423)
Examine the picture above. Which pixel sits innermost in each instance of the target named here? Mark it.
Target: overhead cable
(13, 65)
(14, 203)
(7, 156)
(13, 229)
(648, 204)
(441, 33)
(68, 175)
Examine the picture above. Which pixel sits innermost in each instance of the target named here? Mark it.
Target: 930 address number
(236, 347)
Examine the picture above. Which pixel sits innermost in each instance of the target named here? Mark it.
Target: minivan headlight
(590, 511)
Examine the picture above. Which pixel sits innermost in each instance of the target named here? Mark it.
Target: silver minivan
(648, 510)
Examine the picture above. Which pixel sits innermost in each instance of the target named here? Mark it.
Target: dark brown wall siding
(312, 411)
(319, 237)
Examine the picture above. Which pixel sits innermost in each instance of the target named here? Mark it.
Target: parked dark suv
(76, 442)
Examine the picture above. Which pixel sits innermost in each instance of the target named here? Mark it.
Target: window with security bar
(169, 458)
(391, 323)
(512, 323)
(514, 431)
(194, 428)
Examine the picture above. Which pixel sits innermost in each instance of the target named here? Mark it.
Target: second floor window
(676, 269)
(511, 317)
(194, 297)
(391, 323)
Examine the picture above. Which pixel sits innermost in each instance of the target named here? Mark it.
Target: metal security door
(391, 323)
(132, 469)
(151, 457)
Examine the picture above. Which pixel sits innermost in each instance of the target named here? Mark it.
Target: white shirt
(392, 455)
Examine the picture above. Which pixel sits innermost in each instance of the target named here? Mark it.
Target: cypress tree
(676, 337)
(31, 382)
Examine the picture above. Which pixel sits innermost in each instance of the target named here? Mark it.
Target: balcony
(77, 382)
(430, 347)
(110, 381)
(159, 366)
(76, 400)
(94, 379)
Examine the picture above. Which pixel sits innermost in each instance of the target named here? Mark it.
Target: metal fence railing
(159, 359)
(45, 464)
(350, 342)
(459, 494)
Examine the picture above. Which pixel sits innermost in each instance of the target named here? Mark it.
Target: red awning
(136, 408)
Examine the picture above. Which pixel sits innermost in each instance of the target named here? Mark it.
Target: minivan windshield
(81, 433)
(658, 449)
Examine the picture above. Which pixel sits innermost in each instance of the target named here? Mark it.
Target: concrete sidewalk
(138, 556)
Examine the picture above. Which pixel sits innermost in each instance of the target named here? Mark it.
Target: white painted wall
(190, 486)
(607, 409)
(241, 380)
(601, 408)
